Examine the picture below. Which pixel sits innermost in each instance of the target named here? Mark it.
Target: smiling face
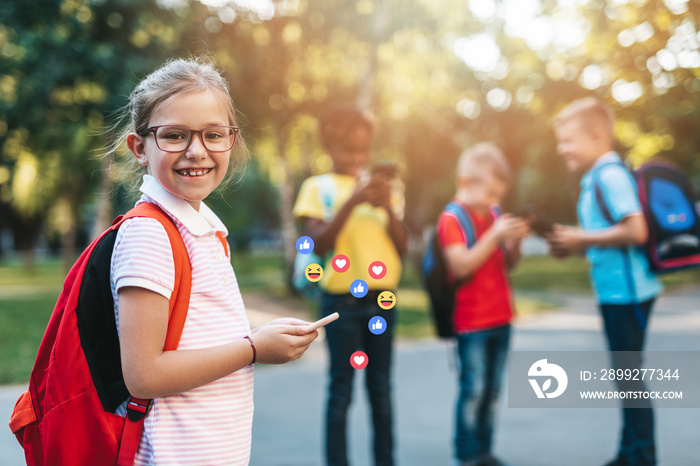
(579, 145)
(386, 300)
(194, 173)
(314, 272)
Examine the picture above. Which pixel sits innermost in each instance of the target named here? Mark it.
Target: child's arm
(512, 252)
(463, 262)
(150, 372)
(398, 233)
(630, 231)
(324, 234)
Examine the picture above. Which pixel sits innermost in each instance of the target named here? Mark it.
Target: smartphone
(321, 322)
(540, 224)
(386, 168)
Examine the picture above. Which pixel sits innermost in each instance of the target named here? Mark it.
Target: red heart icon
(340, 263)
(359, 360)
(377, 270)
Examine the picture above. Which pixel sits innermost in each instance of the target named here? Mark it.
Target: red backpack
(66, 417)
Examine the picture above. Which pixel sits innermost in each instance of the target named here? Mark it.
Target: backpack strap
(602, 203)
(180, 298)
(465, 222)
(138, 408)
(326, 195)
(224, 243)
(625, 250)
(600, 197)
(598, 190)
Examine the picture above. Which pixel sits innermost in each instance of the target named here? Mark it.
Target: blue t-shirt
(608, 266)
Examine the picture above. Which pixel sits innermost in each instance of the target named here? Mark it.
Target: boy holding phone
(621, 276)
(364, 226)
(483, 302)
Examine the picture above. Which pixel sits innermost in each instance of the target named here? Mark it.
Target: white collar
(198, 223)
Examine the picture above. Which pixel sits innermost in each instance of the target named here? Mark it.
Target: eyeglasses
(178, 139)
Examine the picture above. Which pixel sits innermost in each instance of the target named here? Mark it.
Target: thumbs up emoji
(305, 245)
(377, 325)
(359, 288)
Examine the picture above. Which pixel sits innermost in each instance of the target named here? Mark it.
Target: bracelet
(252, 345)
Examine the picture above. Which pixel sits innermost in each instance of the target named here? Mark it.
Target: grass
(22, 324)
(26, 300)
(543, 273)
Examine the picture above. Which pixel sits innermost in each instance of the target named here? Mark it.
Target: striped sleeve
(143, 257)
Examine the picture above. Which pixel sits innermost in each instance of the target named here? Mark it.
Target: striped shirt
(211, 424)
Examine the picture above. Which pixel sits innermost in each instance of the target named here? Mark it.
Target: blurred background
(439, 75)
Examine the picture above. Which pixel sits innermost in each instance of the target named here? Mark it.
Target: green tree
(67, 65)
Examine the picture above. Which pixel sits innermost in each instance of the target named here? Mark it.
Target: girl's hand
(285, 321)
(277, 344)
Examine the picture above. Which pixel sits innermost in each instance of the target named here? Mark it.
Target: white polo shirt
(211, 424)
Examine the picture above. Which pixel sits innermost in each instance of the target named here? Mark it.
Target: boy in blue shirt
(612, 231)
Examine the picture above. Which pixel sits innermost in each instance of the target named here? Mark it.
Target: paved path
(289, 401)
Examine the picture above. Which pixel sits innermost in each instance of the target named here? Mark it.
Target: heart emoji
(340, 263)
(377, 270)
(359, 360)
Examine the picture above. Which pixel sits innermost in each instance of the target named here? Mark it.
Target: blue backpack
(671, 212)
(668, 202)
(441, 290)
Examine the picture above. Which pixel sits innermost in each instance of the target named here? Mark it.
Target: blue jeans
(346, 335)
(482, 357)
(624, 333)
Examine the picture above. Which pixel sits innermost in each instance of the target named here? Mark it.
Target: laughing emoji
(386, 300)
(314, 272)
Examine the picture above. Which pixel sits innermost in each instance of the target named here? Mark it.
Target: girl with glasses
(182, 132)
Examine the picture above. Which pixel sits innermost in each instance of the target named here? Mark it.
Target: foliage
(63, 73)
(439, 75)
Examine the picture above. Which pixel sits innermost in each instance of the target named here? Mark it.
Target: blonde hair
(484, 156)
(592, 112)
(175, 77)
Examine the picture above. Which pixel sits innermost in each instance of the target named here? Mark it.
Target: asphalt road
(289, 401)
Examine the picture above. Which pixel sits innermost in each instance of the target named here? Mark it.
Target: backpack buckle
(138, 408)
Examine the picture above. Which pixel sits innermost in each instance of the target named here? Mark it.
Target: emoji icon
(359, 288)
(314, 272)
(358, 360)
(305, 245)
(377, 325)
(386, 300)
(340, 263)
(377, 270)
